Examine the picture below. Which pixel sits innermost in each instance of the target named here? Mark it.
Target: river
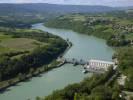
(84, 47)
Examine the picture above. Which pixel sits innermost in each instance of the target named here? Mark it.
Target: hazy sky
(78, 2)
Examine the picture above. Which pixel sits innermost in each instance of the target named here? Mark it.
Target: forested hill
(53, 8)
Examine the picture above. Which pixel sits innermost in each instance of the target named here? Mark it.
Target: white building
(99, 65)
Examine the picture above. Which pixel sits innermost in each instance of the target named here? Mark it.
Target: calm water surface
(84, 47)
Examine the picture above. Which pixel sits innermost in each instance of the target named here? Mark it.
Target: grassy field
(130, 36)
(20, 43)
(8, 44)
(26, 30)
(4, 37)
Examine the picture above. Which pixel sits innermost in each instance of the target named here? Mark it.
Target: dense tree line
(96, 28)
(10, 68)
(69, 24)
(103, 27)
(118, 41)
(20, 20)
(13, 24)
(94, 88)
(80, 26)
(125, 58)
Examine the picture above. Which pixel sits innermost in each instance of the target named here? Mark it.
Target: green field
(25, 49)
(8, 44)
(130, 36)
(4, 37)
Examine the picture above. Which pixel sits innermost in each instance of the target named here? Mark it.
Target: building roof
(100, 61)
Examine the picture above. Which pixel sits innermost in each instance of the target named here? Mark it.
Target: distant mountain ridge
(54, 8)
(42, 7)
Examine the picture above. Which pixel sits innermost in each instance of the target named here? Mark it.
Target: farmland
(26, 52)
(113, 28)
(20, 44)
(20, 47)
(10, 44)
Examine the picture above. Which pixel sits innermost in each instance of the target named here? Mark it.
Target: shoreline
(24, 77)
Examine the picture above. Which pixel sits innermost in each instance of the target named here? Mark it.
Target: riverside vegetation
(25, 53)
(94, 88)
(117, 29)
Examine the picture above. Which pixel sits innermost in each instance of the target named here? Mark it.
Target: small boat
(84, 71)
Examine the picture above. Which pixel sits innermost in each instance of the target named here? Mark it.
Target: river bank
(83, 47)
(120, 42)
(24, 77)
(33, 72)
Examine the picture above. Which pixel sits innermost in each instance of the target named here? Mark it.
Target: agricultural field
(23, 49)
(8, 44)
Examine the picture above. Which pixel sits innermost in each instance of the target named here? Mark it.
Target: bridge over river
(84, 46)
(73, 61)
(96, 66)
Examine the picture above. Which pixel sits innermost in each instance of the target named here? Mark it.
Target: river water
(84, 47)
